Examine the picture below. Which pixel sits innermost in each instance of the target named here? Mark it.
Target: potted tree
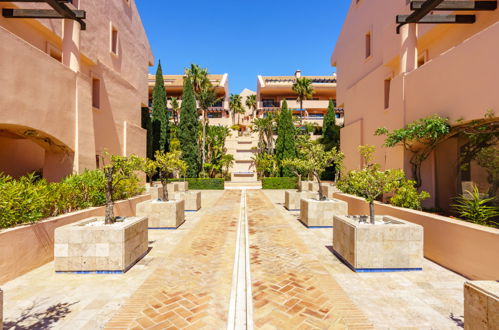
(319, 212)
(165, 213)
(393, 244)
(292, 198)
(192, 199)
(110, 244)
(150, 169)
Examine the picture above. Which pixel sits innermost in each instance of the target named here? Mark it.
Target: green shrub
(204, 183)
(280, 183)
(29, 199)
(406, 195)
(475, 209)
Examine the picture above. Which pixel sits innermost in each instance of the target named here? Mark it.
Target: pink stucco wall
(53, 99)
(457, 81)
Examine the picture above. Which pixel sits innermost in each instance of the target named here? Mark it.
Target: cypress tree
(159, 114)
(330, 131)
(189, 130)
(286, 136)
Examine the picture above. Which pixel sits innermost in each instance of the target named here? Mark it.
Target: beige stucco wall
(16, 259)
(41, 94)
(463, 247)
(457, 81)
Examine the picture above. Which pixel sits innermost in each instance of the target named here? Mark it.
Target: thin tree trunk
(371, 213)
(321, 193)
(301, 112)
(109, 216)
(299, 182)
(204, 142)
(164, 183)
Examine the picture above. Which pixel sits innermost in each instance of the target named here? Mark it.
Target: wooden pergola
(421, 12)
(59, 11)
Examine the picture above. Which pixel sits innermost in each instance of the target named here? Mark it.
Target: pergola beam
(38, 13)
(439, 19)
(60, 9)
(417, 15)
(458, 5)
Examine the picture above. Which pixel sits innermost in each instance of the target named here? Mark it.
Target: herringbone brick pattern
(291, 289)
(192, 288)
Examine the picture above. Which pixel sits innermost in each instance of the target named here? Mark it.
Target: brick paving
(291, 288)
(191, 289)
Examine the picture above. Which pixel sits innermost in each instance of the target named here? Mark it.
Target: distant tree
(303, 87)
(175, 110)
(251, 103)
(189, 130)
(235, 105)
(199, 78)
(286, 138)
(206, 98)
(159, 113)
(330, 131)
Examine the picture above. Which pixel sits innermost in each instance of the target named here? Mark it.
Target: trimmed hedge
(203, 183)
(280, 183)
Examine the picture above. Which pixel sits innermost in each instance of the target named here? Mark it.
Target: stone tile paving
(191, 289)
(42, 299)
(430, 299)
(291, 288)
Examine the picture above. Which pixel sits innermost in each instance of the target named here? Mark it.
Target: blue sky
(244, 39)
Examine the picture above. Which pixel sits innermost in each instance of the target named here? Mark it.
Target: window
(422, 58)
(96, 93)
(368, 45)
(214, 114)
(114, 40)
(387, 93)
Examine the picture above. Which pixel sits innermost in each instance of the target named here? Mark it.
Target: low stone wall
(481, 305)
(27, 247)
(463, 247)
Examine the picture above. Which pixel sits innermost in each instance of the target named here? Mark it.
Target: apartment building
(273, 90)
(72, 86)
(218, 114)
(389, 79)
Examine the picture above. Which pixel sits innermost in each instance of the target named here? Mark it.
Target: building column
(409, 48)
(71, 44)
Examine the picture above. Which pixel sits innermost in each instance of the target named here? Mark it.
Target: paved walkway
(186, 281)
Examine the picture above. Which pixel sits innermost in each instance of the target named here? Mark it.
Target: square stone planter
(304, 185)
(172, 189)
(292, 199)
(329, 189)
(390, 245)
(100, 248)
(182, 186)
(192, 200)
(481, 305)
(162, 215)
(313, 186)
(156, 192)
(319, 214)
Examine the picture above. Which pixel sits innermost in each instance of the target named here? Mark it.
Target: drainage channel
(241, 298)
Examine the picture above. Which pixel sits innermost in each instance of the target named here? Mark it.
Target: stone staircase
(243, 148)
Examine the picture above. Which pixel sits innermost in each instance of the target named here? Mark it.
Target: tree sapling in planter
(393, 244)
(165, 213)
(93, 245)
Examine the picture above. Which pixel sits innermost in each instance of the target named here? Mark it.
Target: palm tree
(175, 109)
(235, 105)
(303, 87)
(265, 128)
(251, 103)
(206, 98)
(199, 78)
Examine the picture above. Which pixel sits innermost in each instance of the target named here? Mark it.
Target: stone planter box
(319, 214)
(162, 215)
(396, 245)
(292, 199)
(304, 185)
(328, 190)
(481, 305)
(156, 192)
(101, 249)
(313, 186)
(182, 186)
(172, 189)
(192, 200)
